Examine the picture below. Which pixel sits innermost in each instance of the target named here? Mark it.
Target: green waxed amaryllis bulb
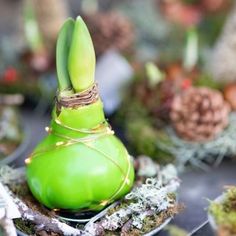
(80, 163)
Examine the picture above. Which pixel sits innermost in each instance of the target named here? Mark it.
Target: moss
(122, 205)
(206, 80)
(150, 222)
(136, 121)
(28, 228)
(176, 231)
(25, 226)
(22, 191)
(155, 221)
(147, 143)
(225, 212)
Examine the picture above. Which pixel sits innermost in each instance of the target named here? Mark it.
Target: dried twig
(7, 225)
(42, 221)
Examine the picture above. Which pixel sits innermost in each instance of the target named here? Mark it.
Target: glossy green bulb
(80, 163)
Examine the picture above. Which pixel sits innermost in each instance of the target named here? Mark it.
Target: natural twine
(84, 98)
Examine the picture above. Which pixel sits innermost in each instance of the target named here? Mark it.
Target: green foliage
(32, 32)
(75, 56)
(145, 139)
(190, 1)
(225, 212)
(205, 80)
(191, 49)
(154, 74)
(81, 60)
(141, 133)
(176, 231)
(211, 28)
(62, 52)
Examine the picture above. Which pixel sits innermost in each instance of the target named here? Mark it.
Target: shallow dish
(19, 150)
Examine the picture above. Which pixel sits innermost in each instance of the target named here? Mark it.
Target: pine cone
(110, 30)
(199, 114)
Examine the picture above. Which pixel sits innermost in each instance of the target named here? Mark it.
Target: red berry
(10, 75)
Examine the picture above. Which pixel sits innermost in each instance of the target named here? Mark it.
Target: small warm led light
(55, 209)
(127, 181)
(104, 202)
(28, 160)
(47, 129)
(111, 132)
(59, 143)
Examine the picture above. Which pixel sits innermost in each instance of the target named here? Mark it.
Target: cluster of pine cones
(199, 114)
(110, 30)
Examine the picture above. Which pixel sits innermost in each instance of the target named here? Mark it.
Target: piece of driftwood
(9, 176)
(44, 222)
(8, 226)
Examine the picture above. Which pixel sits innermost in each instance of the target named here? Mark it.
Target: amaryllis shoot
(154, 74)
(62, 53)
(81, 60)
(191, 49)
(75, 57)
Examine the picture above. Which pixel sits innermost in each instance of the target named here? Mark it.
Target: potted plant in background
(30, 70)
(222, 211)
(13, 135)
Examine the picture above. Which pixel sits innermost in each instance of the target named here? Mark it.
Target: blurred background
(165, 69)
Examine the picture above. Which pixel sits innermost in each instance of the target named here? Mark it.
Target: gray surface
(36, 125)
(205, 230)
(196, 185)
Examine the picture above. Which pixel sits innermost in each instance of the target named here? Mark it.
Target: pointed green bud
(32, 33)
(62, 53)
(154, 74)
(81, 60)
(191, 49)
